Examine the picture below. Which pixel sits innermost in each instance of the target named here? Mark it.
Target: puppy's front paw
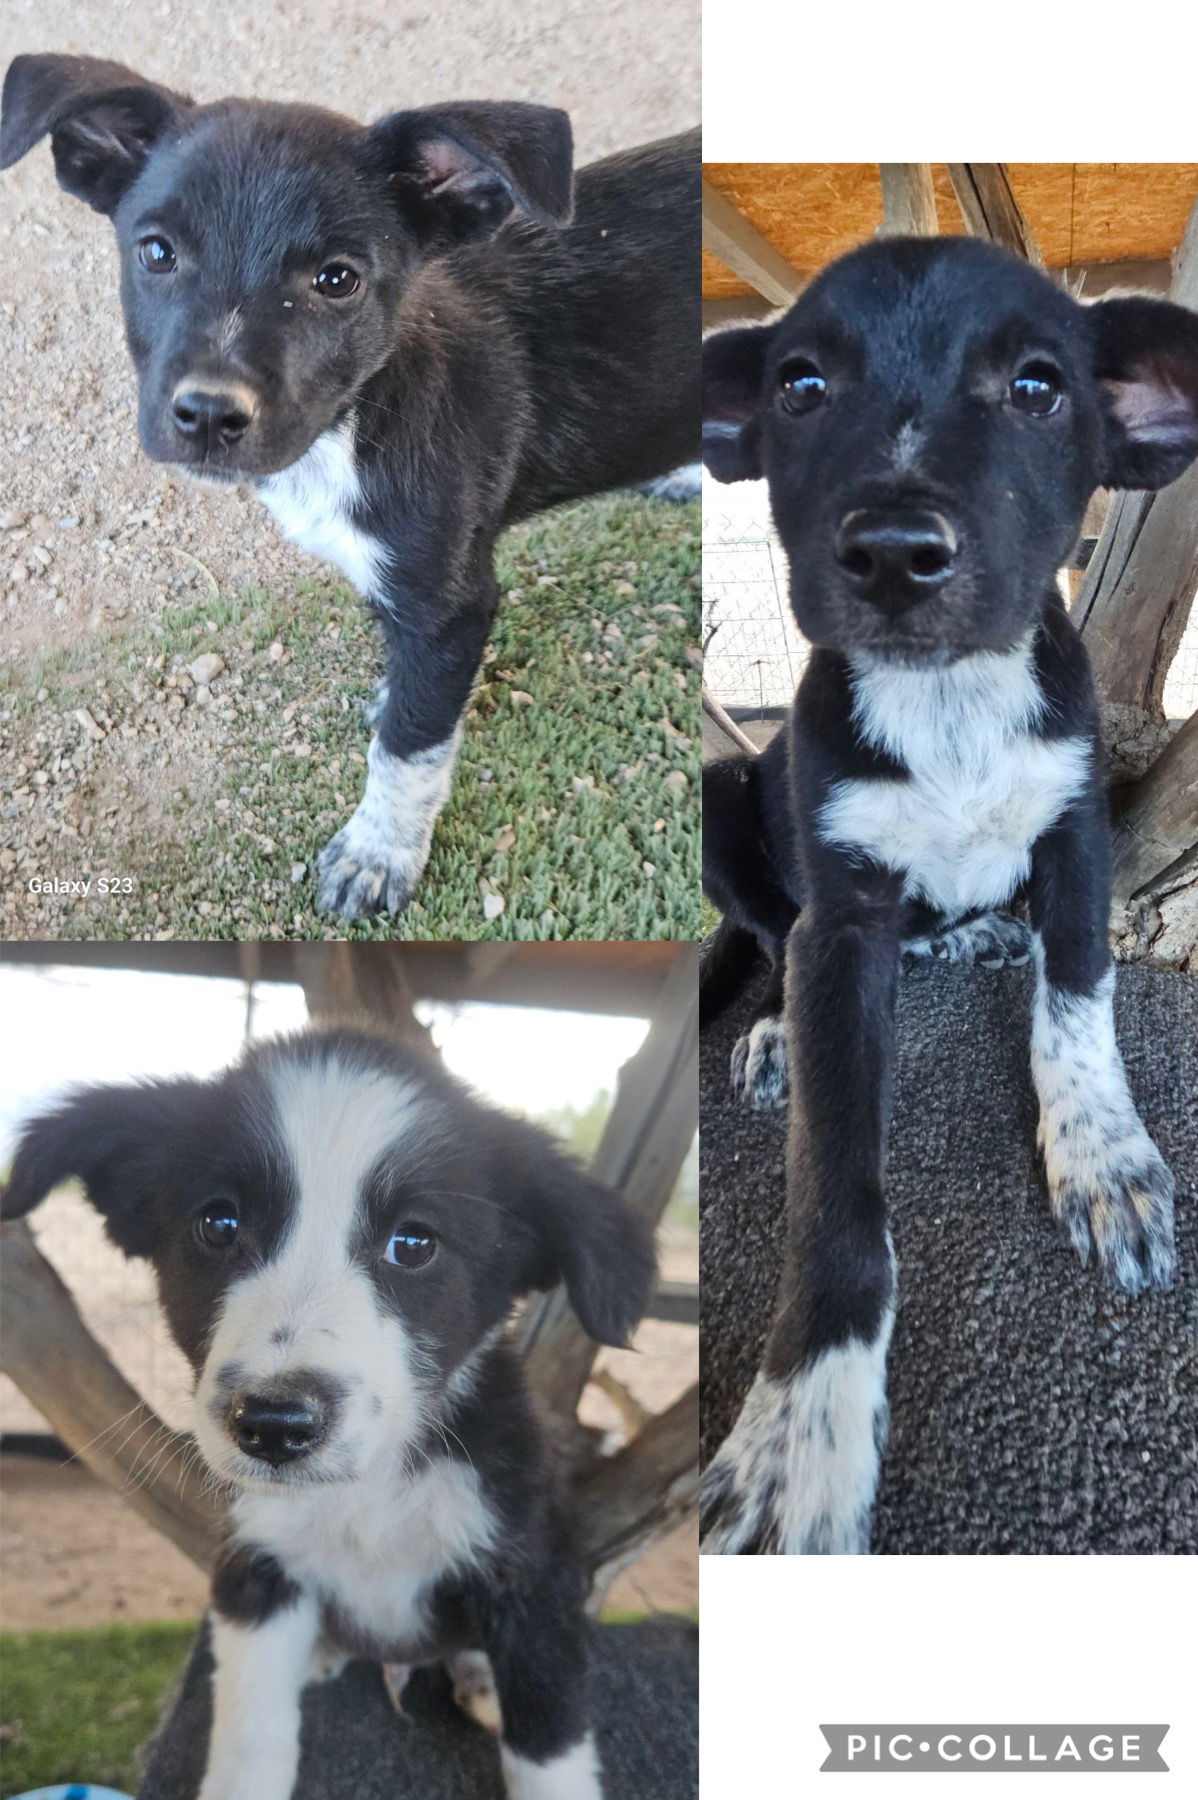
(796, 1476)
(1113, 1194)
(758, 1071)
(993, 941)
(474, 1689)
(360, 875)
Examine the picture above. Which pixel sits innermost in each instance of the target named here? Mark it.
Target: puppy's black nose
(216, 417)
(276, 1430)
(896, 556)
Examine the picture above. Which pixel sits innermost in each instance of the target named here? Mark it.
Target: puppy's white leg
(1107, 1181)
(798, 1472)
(253, 1753)
(376, 860)
(571, 1775)
(474, 1688)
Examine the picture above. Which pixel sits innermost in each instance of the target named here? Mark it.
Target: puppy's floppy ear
(733, 366)
(102, 118)
(113, 1140)
(1146, 360)
(586, 1236)
(461, 168)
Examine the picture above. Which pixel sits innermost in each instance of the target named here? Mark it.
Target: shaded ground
(1033, 1412)
(115, 575)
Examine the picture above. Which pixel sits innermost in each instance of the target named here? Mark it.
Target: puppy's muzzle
(212, 417)
(895, 557)
(278, 1429)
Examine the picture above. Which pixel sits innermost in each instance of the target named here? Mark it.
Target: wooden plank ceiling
(1080, 212)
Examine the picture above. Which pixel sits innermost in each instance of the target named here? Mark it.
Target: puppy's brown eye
(337, 281)
(157, 255)
(216, 1226)
(1036, 390)
(802, 387)
(412, 1245)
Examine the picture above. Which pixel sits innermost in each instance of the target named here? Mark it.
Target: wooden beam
(1156, 819)
(908, 200)
(1136, 599)
(62, 1371)
(740, 247)
(747, 309)
(990, 209)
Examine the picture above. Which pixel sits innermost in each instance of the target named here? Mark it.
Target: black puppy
(339, 1232)
(931, 417)
(407, 337)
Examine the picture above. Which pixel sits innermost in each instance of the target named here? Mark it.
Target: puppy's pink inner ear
(1152, 405)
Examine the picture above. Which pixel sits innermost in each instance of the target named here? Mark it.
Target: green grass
(77, 1704)
(576, 794)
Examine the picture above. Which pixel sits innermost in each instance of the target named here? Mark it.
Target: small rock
(298, 871)
(205, 669)
(677, 782)
(11, 521)
(89, 724)
(493, 905)
(649, 868)
(520, 698)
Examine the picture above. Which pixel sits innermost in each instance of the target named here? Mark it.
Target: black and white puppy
(339, 1232)
(405, 337)
(931, 416)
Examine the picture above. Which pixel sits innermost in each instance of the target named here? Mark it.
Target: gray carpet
(1033, 1412)
(644, 1698)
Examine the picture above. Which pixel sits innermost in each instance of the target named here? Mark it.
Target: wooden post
(367, 981)
(62, 1371)
(1136, 598)
(627, 1501)
(990, 209)
(1156, 820)
(908, 200)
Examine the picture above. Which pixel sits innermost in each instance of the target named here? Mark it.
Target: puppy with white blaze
(339, 1232)
(405, 336)
(931, 417)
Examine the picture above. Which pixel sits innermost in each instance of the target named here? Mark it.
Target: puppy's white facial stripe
(257, 1677)
(980, 789)
(908, 442)
(313, 502)
(313, 1306)
(574, 1775)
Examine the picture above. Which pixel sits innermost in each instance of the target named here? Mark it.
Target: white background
(790, 1642)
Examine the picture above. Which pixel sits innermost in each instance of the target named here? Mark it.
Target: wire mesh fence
(755, 652)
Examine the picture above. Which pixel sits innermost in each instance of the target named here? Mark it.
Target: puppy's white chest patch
(313, 502)
(375, 1548)
(981, 785)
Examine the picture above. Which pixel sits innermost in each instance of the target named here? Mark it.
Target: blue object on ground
(75, 1790)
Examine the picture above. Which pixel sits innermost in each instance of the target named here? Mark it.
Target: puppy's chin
(248, 1475)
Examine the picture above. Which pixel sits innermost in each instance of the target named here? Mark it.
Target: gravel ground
(1033, 1411)
(93, 537)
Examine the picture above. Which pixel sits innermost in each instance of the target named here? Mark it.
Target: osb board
(1079, 212)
